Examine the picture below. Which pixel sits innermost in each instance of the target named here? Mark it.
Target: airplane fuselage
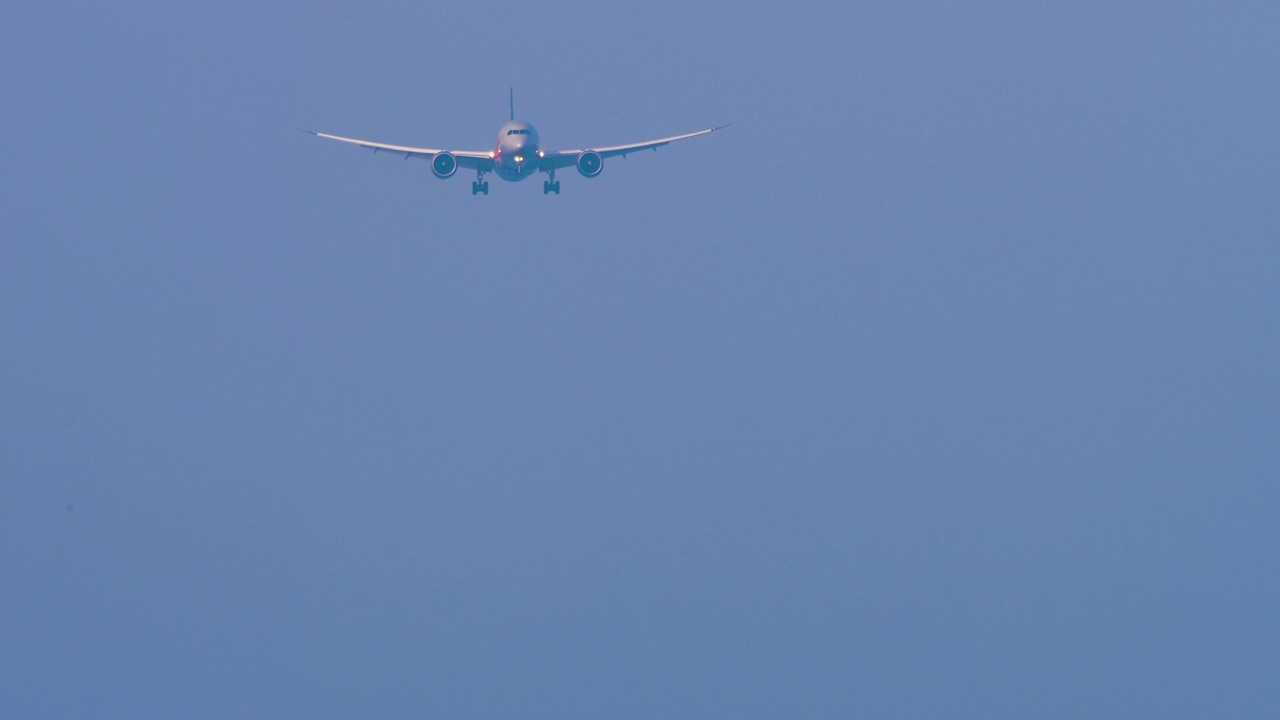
(517, 154)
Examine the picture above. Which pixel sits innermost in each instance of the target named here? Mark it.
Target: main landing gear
(551, 186)
(480, 186)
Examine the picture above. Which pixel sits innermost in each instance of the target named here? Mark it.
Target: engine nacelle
(590, 164)
(444, 165)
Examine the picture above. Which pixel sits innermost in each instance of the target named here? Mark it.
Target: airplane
(518, 155)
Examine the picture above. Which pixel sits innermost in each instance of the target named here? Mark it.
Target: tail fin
(512, 98)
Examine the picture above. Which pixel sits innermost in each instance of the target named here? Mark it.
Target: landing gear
(480, 186)
(551, 186)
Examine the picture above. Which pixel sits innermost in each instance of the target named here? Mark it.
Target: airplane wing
(470, 159)
(565, 158)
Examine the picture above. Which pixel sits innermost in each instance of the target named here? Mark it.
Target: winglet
(309, 132)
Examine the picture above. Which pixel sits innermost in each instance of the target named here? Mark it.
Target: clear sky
(942, 384)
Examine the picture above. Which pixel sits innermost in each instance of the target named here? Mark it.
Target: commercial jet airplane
(518, 155)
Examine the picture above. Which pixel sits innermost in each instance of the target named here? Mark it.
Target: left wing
(471, 159)
(565, 158)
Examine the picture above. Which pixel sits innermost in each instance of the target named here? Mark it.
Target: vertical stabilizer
(512, 98)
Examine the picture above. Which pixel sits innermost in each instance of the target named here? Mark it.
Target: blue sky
(941, 384)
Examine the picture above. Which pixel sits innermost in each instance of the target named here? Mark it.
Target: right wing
(565, 158)
(471, 159)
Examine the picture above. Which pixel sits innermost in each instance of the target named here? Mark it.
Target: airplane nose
(526, 150)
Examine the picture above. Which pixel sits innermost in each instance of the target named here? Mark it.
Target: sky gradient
(942, 384)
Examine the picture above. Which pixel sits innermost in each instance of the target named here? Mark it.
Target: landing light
(518, 158)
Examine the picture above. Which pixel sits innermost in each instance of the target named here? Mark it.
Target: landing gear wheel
(551, 186)
(478, 187)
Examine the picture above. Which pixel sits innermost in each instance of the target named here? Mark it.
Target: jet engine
(444, 165)
(590, 164)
